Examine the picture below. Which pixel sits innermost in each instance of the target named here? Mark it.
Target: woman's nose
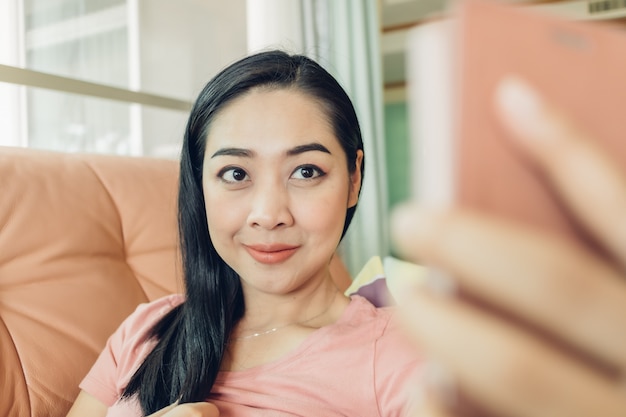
(269, 208)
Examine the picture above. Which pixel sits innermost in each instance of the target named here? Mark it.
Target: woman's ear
(355, 180)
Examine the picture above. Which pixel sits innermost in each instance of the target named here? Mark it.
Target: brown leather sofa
(83, 240)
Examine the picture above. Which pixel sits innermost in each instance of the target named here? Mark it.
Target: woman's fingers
(571, 294)
(500, 365)
(567, 291)
(540, 279)
(590, 182)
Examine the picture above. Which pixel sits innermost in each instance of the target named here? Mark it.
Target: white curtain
(85, 40)
(343, 36)
(10, 95)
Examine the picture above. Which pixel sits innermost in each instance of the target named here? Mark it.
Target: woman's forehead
(282, 118)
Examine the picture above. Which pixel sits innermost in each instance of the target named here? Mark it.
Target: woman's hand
(541, 327)
(202, 409)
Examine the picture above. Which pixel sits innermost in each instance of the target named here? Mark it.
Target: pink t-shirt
(359, 366)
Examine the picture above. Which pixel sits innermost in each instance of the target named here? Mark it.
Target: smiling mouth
(271, 254)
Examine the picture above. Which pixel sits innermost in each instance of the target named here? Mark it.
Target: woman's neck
(312, 306)
(276, 325)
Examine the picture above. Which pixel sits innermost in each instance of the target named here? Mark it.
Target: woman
(271, 171)
(548, 289)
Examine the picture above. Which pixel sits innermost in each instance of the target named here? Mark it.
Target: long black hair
(192, 338)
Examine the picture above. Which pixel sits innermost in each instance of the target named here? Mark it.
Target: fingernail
(520, 107)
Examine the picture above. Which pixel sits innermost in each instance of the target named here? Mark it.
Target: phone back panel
(578, 66)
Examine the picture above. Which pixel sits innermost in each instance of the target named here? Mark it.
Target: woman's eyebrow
(233, 152)
(308, 148)
(241, 152)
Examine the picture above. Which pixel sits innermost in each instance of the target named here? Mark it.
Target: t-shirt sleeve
(397, 365)
(125, 350)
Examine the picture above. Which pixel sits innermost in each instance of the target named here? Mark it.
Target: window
(109, 76)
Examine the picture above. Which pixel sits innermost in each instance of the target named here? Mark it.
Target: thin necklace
(275, 329)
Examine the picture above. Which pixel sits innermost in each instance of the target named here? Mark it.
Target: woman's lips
(271, 254)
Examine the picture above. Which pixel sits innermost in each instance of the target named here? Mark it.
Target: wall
(397, 152)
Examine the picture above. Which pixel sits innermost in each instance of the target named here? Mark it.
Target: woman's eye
(307, 172)
(233, 175)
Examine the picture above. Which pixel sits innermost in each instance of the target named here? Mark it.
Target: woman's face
(276, 187)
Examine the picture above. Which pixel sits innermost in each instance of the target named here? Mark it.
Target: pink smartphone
(580, 66)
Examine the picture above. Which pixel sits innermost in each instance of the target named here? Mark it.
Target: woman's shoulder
(125, 349)
(380, 325)
(147, 314)
(361, 312)
(135, 331)
(157, 307)
(369, 345)
(362, 324)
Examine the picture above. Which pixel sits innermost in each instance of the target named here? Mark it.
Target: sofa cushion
(83, 240)
(382, 281)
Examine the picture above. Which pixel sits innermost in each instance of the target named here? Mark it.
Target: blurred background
(119, 76)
